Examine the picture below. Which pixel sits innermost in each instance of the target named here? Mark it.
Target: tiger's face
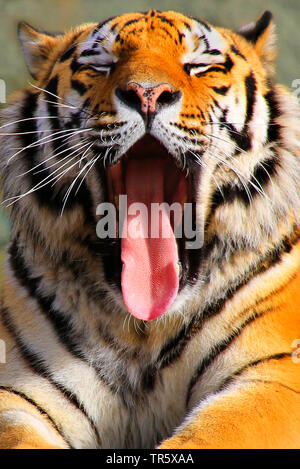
(167, 110)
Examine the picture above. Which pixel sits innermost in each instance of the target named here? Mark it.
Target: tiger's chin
(155, 254)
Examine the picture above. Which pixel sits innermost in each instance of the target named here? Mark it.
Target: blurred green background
(59, 15)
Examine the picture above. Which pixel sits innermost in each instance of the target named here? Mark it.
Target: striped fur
(216, 370)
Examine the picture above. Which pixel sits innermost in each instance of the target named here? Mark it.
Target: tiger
(165, 342)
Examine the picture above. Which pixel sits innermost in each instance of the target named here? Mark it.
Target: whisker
(43, 90)
(50, 158)
(65, 157)
(26, 133)
(59, 104)
(66, 196)
(238, 123)
(64, 101)
(240, 175)
(37, 142)
(83, 156)
(43, 183)
(26, 119)
(93, 162)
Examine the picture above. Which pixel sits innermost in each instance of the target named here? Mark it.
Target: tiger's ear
(262, 35)
(36, 46)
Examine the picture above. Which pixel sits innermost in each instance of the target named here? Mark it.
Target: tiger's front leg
(23, 427)
(248, 415)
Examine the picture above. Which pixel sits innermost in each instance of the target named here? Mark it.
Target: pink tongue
(149, 276)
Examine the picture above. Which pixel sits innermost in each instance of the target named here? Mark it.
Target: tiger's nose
(148, 100)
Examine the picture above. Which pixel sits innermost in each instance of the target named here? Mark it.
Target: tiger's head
(165, 109)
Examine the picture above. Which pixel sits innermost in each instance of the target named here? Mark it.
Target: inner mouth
(150, 262)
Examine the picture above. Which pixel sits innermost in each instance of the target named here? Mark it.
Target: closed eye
(195, 69)
(103, 69)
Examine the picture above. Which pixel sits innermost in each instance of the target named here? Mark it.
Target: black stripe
(135, 20)
(50, 197)
(119, 39)
(75, 65)
(28, 109)
(212, 52)
(188, 67)
(204, 39)
(54, 122)
(221, 90)
(99, 25)
(175, 346)
(230, 379)
(167, 32)
(274, 112)
(265, 381)
(240, 138)
(32, 284)
(228, 64)
(63, 328)
(217, 350)
(226, 247)
(79, 86)
(250, 84)
(261, 176)
(172, 25)
(39, 367)
(53, 198)
(167, 21)
(68, 53)
(220, 68)
(38, 407)
(52, 86)
(89, 53)
(188, 27)
(27, 139)
(236, 51)
(201, 23)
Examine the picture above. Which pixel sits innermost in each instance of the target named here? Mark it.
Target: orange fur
(23, 436)
(259, 406)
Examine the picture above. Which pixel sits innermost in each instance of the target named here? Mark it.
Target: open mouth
(150, 262)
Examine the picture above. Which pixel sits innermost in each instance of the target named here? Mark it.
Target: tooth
(178, 268)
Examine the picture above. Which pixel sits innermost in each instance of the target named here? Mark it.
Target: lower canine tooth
(178, 268)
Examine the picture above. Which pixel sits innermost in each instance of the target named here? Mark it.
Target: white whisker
(50, 158)
(37, 142)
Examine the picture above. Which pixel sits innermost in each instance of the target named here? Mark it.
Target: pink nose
(147, 101)
(149, 97)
